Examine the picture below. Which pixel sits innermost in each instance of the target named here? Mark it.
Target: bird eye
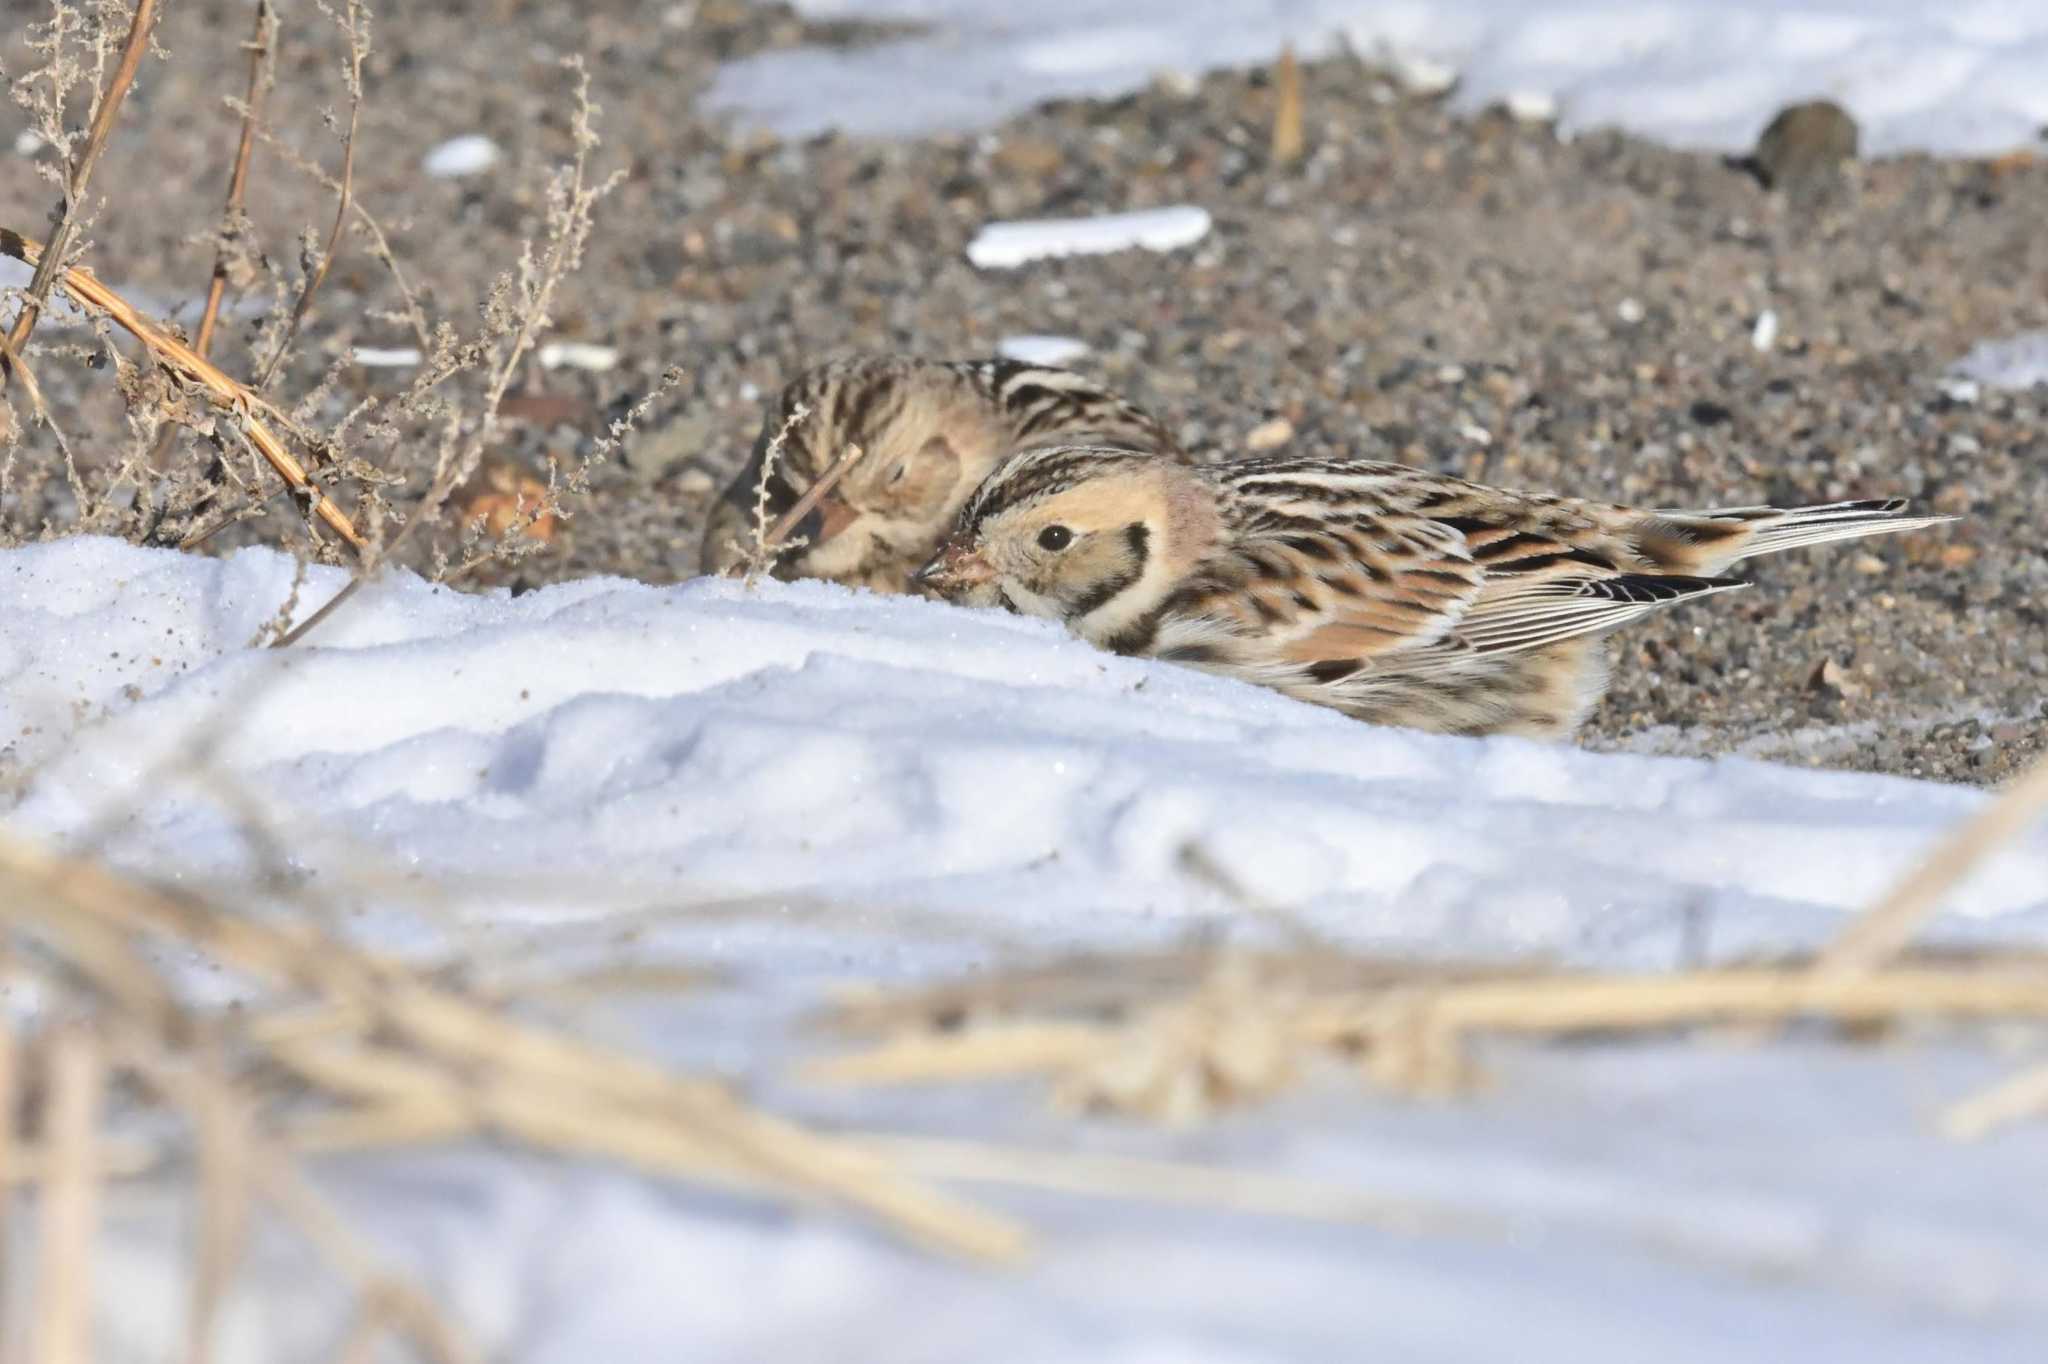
(1055, 537)
(901, 470)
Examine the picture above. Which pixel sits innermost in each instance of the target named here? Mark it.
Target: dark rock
(1805, 146)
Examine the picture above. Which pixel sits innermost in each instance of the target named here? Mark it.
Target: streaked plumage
(930, 432)
(1395, 595)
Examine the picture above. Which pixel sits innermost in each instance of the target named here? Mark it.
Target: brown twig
(813, 495)
(261, 46)
(104, 110)
(1287, 136)
(175, 355)
(358, 47)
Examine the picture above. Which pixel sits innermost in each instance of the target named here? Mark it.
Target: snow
(1959, 78)
(588, 355)
(2015, 362)
(385, 357)
(1042, 350)
(1764, 334)
(892, 790)
(470, 154)
(1000, 246)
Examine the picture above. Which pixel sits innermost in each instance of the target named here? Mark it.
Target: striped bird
(930, 431)
(1395, 595)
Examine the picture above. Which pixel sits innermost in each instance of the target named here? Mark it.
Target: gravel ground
(1469, 294)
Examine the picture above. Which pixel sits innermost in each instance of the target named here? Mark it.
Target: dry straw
(1176, 1044)
(232, 397)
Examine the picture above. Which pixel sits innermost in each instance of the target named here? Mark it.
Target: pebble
(1805, 145)
(1269, 435)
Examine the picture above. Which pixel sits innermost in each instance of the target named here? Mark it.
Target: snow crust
(803, 785)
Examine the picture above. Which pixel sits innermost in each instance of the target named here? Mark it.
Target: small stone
(1707, 412)
(1832, 679)
(1805, 145)
(1957, 556)
(1630, 311)
(1868, 564)
(1269, 435)
(695, 483)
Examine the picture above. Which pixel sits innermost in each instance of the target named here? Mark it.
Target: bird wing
(1383, 566)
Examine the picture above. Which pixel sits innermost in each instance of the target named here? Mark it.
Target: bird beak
(953, 569)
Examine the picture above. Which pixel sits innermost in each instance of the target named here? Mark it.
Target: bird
(1390, 593)
(929, 431)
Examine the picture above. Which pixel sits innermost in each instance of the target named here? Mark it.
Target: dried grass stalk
(2017, 1099)
(262, 45)
(105, 109)
(69, 1212)
(1287, 131)
(193, 368)
(1880, 932)
(1236, 1041)
(397, 1045)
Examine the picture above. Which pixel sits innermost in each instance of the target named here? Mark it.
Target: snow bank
(1955, 78)
(807, 737)
(893, 789)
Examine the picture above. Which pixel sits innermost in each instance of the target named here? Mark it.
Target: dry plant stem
(223, 1123)
(175, 355)
(262, 1167)
(70, 1201)
(813, 495)
(1287, 135)
(260, 49)
(358, 46)
(1421, 1028)
(565, 244)
(511, 1078)
(380, 241)
(108, 105)
(2012, 1100)
(1878, 934)
(10, 1105)
(1176, 1183)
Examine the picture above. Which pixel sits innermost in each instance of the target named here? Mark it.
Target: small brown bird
(930, 431)
(1392, 594)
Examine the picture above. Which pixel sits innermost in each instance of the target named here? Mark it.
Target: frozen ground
(811, 785)
(1697, 73)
